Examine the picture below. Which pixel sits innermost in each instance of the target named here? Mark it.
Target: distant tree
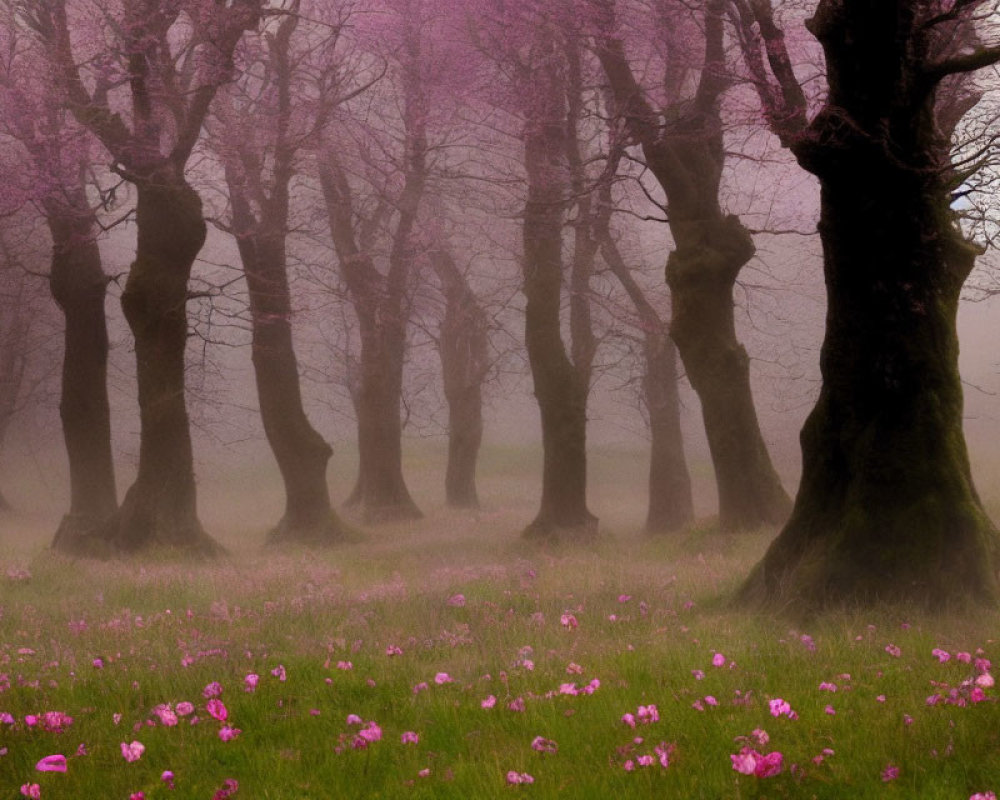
(682, 144)
(279, 73)
(380, 296)
(58, 157)
(168, 60)
(886, 509)
(463, 345)
(16, 319)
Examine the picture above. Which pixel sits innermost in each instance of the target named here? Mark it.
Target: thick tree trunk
(701, 273)
(886, 509)
(559, 389)
(301, 453)
(380, 491)
(160, 508)
(671, 506)
(79, 286)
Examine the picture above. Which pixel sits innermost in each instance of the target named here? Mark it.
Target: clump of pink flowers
(514, 777)
(750, 762)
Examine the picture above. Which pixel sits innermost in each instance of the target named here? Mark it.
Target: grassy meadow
(446, 658)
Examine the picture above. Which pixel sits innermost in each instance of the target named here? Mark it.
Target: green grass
(165, 629)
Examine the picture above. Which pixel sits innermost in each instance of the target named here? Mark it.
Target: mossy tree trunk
(886, 509)
(560, 388)
(686, 155)
(160, 508)
(463, 345)
(79, 287)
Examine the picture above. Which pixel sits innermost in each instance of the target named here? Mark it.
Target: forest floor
(447, 658)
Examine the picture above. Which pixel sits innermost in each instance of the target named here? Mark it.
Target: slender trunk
(701, 273)
(671, 506)
(559, 389)
(464, 350)
(301, 453)
(79, 285)
(160, 508)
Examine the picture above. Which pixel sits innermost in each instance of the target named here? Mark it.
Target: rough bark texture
(701, 271)
(160, 508)
(79, 286)
(464, 350)
(560, 389)
(887, 508)
(686, 155)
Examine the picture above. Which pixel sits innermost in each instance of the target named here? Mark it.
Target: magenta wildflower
(132, 751)
(941, 655)
(167, 777)
(229, 787)
(217, 709)
(543, 745)
(983, 796)
(279, 672)
(32, 790)
(890, 773)
(456, 600)
(213, 689)
(718, 660)
(184, 708)
(250, 681)
(227, 734)
(442, 678)
(893, 650)
(393, 650)
(519, 777)
(409, 737)
(166, 715)
(53, 763)
(489, 702)
(568, 621)
(827, 687)
(517, 704)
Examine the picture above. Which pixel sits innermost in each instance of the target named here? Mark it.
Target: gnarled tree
(682, 144)
(172, 58)
(886, 508)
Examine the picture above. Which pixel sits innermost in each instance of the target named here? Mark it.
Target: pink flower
(227, 734)
(32, 790)
(769, 765)
(250, 682)
(519, 777)
(965, 658)
(184, 708)
(424, 772)
(745, 761)
(409, 737)
(457, 600)
(442, 678)
(133, 751)
(780, 707)
(759, 737)
(890, 773)
(279, 672)
(893, 650)
(217, 709)
(53, 763)
(629, 719)
(353, 719)
(984, 681)
(137, 796)
(517, 704)
(167, 776)
(370, 734)
(213, 689)
(568, 621)
(166, 715)
(489, 702)
(229, 787)
(345, 665)
(648, 714)
(983, 796)
(830, 710)
(941, 655)
(827, 687)
(710, 700)
(543, 745)
(393, 650)
(420, 687)
(699, 675)
(718, 660)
